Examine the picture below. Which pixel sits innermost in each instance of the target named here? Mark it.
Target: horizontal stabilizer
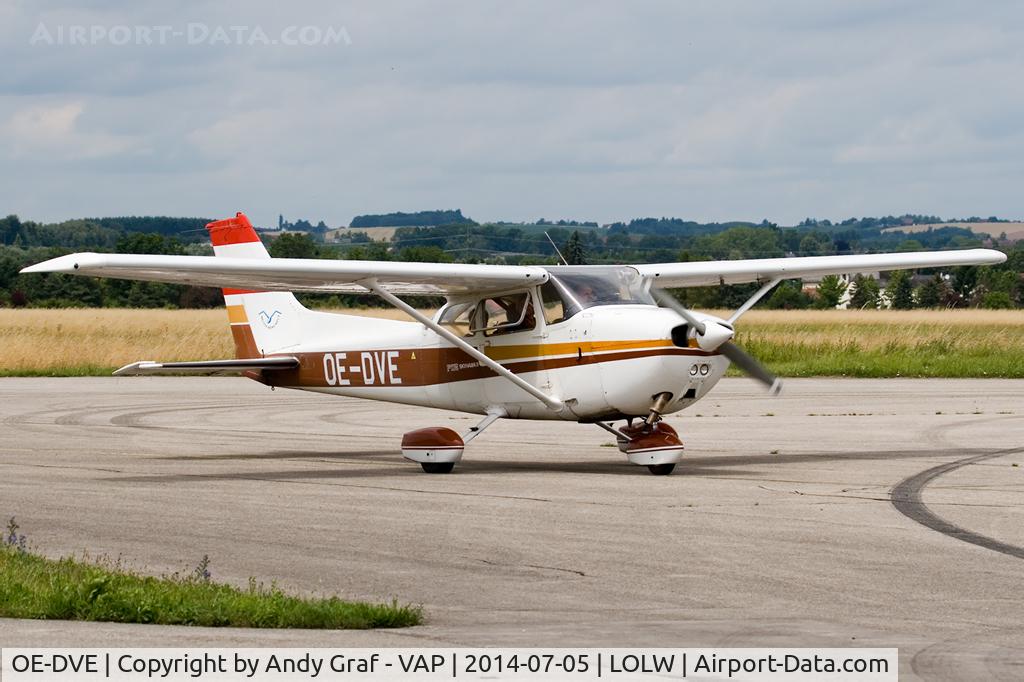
(207, 366)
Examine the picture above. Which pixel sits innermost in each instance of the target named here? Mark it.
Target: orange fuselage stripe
(543, 350)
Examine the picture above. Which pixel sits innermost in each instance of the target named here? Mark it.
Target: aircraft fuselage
(604, 362)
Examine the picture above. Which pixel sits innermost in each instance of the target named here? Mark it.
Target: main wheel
(441, 467)
(660, 469)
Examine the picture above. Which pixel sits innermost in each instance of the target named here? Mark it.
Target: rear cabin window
(493, 316)
(459, 318)
(507, 314)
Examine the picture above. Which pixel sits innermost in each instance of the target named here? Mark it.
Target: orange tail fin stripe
(236, 314)
(239, 292)
(237, 230)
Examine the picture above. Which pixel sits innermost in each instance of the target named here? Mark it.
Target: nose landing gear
(657, 446)
(651, 442)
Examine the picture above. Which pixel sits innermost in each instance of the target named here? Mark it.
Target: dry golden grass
(94, 340)
(878, 329)
(800, 342)
(61, 340)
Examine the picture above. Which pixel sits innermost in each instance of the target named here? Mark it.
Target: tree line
(643, 240)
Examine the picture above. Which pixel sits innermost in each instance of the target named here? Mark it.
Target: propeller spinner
(718, 334)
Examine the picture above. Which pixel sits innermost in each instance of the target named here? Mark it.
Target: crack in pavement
(538, 566)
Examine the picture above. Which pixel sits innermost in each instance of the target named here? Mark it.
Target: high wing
(705, 273)
(302, 274)
(298, 274)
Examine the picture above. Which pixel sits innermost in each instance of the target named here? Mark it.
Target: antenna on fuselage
(564, 262)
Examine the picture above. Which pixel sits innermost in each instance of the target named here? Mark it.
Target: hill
(417, 219)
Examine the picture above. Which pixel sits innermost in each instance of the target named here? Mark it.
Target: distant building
(810, 285)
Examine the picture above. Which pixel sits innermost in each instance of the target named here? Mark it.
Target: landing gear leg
(660, 401)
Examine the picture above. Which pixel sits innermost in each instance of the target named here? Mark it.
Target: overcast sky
(512, 110)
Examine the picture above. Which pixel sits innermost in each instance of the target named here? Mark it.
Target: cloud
(519, 110)
(48, 132)
(43, 124)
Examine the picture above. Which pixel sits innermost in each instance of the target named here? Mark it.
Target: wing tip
(68, 264)
(59, 264)
(997, 256)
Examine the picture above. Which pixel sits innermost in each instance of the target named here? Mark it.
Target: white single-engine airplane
(578, 343)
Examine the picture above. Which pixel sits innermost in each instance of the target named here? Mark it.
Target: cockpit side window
(554, 305)
(590, 290)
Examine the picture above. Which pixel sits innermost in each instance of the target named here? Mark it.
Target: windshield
(582, 287)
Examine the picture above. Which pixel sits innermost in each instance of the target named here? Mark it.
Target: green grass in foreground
(60, 371)
(35, 587)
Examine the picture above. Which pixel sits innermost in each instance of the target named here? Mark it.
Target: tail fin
(262, 322)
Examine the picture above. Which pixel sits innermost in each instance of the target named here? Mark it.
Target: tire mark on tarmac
(906, 498)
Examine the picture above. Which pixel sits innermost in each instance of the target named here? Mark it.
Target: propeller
(712, 334)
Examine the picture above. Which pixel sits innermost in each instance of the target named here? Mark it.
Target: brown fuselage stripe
(430, 366)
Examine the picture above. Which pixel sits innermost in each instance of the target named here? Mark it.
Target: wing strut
(552, 402)
(754, 299)
(493, 415)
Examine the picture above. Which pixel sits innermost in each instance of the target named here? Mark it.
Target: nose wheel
(661, 469)
(437, 467)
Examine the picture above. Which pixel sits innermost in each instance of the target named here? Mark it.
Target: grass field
(925, 343)
(33, 586)
(91, 342)
(887, 343)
